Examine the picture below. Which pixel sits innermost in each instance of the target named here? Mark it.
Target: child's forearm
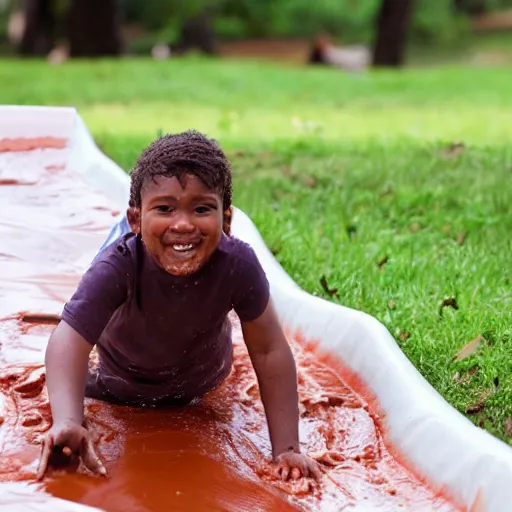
(67, 359)
(277, 377)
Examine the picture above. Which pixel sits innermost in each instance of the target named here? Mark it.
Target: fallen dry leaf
(310, 182)
(475, 409)
(508, 426)
(391, 304)
(464, 379)
(279, 194)
(469, 348)
(415, 226)
(453, 150)
(461, 238)
(404, 335)
(480, 403)
(450, 302)
(382, 262)
(325, 286)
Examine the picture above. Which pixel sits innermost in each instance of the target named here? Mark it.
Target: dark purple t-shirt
(160, 335)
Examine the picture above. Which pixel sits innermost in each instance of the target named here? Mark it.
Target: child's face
(180, 223)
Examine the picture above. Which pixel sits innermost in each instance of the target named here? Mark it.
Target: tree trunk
(392, 26)
(38, 36)
(94, 28)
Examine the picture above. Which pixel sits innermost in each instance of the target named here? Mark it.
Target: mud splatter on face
(180, 223)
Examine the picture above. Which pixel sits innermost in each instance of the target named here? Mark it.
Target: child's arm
(275, 369)
(67, 360)
(102, 289)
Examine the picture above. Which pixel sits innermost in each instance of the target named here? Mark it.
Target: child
(155, 304)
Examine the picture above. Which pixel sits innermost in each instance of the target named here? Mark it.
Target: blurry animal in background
(351, 58)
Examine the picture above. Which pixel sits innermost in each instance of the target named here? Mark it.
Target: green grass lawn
(348, 177)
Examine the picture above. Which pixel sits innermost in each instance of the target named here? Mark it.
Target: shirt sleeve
(103, 288)
(252, 290)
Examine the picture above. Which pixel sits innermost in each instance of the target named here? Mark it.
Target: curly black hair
(189, 152)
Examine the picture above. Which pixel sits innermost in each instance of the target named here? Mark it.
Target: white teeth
(180, 247)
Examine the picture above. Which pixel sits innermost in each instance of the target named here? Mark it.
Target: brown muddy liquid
(211, 456)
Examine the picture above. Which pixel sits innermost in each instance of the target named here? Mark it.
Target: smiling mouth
(184, 247)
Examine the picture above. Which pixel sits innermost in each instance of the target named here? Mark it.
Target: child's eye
(162, 208)
(204, 209)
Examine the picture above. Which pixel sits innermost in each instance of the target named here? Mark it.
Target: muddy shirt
(161, 336)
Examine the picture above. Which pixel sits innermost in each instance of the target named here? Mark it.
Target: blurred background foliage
(433, 22)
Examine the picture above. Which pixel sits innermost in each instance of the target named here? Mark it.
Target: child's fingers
(91, 459)
(296, 473)
(314, 469)
(285, 471)
(45, 456)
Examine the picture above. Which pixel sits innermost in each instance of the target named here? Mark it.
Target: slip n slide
(383, 437)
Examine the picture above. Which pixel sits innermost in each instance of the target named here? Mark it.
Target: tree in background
(94, 28)
(392, 26)
(39, 25)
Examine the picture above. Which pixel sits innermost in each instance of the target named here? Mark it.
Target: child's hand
(296, 465)
(72, 438)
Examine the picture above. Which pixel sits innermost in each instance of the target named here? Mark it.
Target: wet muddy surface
(210, 456)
